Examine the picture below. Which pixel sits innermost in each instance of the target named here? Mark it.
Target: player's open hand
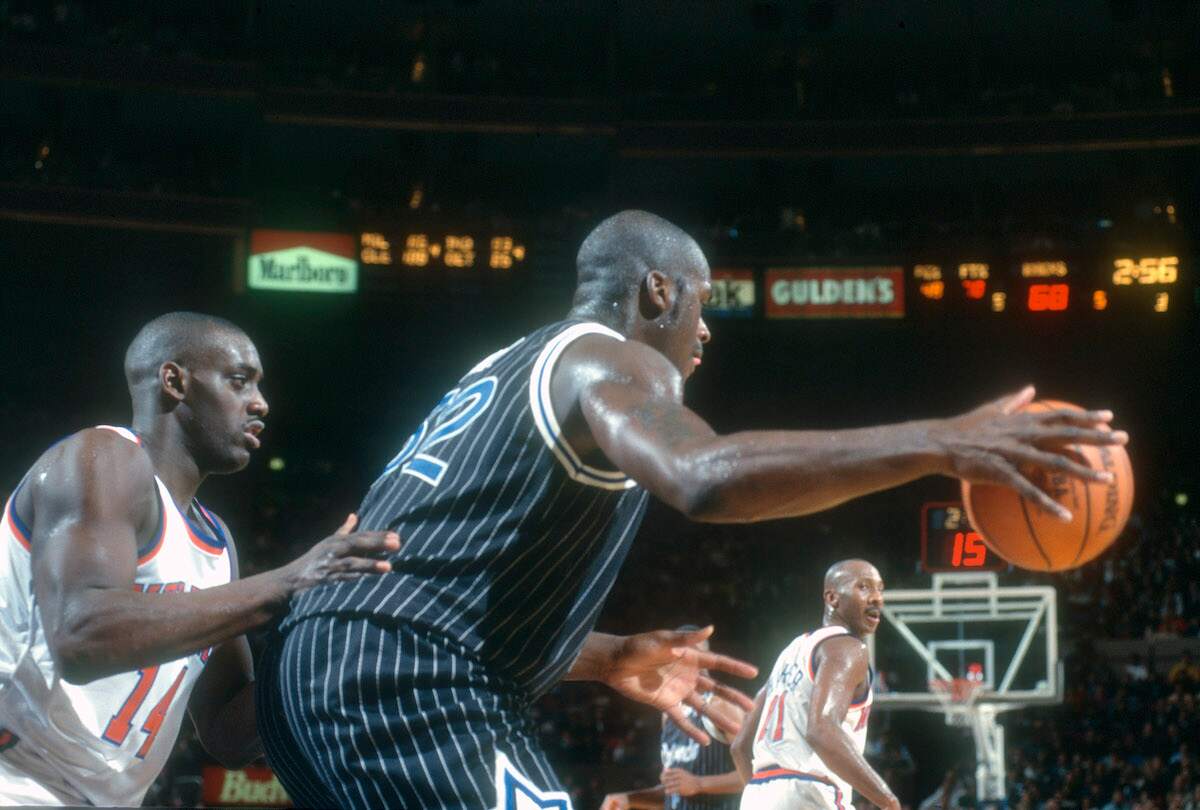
(345, 554)
(992, 444)
(666, 669)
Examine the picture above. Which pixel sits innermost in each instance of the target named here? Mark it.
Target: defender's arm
(94, 496)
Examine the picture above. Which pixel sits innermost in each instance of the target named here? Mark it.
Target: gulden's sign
(835, 292)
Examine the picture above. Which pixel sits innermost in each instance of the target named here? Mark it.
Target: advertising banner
(835, 292)
(302, 261)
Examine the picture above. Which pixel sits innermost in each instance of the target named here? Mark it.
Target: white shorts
(18, 789)
(793, 794)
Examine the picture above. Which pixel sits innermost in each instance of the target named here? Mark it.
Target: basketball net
(957, 696)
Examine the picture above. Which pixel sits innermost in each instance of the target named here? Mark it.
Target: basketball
(1028, 537)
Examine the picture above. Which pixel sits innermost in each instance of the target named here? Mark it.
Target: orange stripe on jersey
(158, 542)
(15, 524)
(770, 774)
(202, 544)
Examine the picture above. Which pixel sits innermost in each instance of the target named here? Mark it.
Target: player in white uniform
(809, 725)
(117, 609)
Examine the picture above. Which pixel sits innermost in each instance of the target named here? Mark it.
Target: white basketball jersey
(780, 748)
(103, 742)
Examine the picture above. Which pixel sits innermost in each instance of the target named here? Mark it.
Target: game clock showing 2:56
(948, 543)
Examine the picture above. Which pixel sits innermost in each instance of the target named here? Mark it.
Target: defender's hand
(663, 669)
(679, 782)
(345, 554)
(990, 444)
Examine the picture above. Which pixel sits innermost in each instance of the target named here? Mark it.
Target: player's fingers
(352, 567)
(372, 542)
(687, 726)
(1011, 403)
(1082, 418)
(348, 524)
(1009, 476)
(734, 696)
(690, 638)
(714, 662)
(729, 725)
(1059, 462)
(1069, 434)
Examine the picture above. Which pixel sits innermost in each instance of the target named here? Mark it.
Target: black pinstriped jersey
(511, 541)
(681, 751)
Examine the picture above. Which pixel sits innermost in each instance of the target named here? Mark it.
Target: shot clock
(948, 543)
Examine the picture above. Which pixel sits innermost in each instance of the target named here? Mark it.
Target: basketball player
(518, 497)
(694, 777)
(117, 608)
(807, 745)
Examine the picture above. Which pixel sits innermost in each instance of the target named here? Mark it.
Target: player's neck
(614, 317)
(173, 463)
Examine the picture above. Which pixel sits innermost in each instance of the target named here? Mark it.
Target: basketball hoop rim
(956, 693)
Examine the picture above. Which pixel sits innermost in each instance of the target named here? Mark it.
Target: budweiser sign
(835, 292)
(256, 786)
(299, 261)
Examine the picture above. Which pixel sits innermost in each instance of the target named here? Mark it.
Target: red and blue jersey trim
(17, 526)
(147, 553)
(210, 542)
(772, 774)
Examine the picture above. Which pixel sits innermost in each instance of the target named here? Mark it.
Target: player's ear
(173, 381)
(831, 599)
(657, 294)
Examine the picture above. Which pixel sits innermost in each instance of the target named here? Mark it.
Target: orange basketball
(1022, 533)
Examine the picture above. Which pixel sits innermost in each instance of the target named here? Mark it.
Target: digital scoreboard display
(447, 250)
(948, 543)
(1046, 285)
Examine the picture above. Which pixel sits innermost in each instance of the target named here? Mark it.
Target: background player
(807, 746)
(115, 581)
(694, 777)
(519, 496)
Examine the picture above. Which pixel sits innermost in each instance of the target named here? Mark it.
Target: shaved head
(846, 571)
(619, 252)
(177, 337)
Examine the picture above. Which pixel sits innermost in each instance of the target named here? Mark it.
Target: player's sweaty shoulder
(594, 359)
(595, 362)
(89, 464)
(842, 650)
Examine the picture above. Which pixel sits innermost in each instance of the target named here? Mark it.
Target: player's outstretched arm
(741, 750)
(663, 669)
(91, 499)
(843, 668)
(630, 400)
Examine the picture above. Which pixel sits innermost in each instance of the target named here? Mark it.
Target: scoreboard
(1146, 285)
(463, 249)
(948, 543)
(1044, 285)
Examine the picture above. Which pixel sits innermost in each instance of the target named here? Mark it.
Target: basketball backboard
(969, 648)
(968, 626)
